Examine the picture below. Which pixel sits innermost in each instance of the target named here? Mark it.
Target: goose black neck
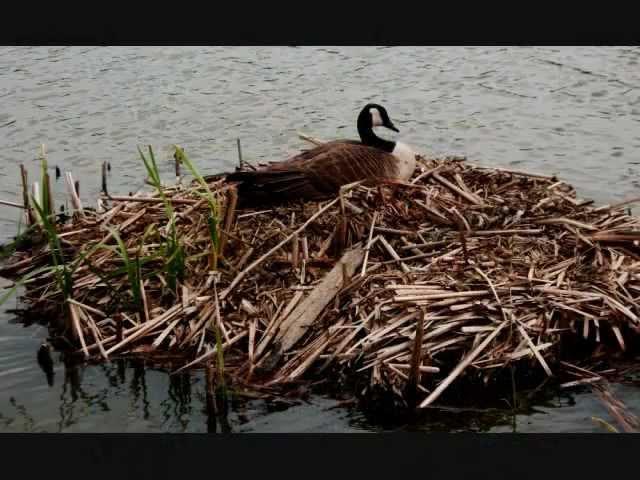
(368, 137)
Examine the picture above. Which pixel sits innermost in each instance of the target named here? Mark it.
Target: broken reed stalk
(240, 163)
(229, 219)
(11, 204)
(25, 195)
(176, 161)
(50, 207)
(72, 190)
(295, 245)
(369, 243)
(416, 362)
(461, 366)
(342, 225)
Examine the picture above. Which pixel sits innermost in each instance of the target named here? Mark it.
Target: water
(570, 111)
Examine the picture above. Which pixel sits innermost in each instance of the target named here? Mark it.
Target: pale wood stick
(88, 308)
(310, 139)
(436, 296)
(461, 366)
(166, 332)
(211, 352)
(95, 332)
(427, 174)
(412, 257)
(514, 231)
(395, 231)
(495, 294)
(244, 258)
(616, 331)
(204, 316)
(309, 361)
(471, 198)
(73, 194)
(146, 327)
(11, 204)
(369, 243)
(76, 325)
(394, 254)
(295, 252)
(535, 350)
(302, 317)
(406, 366)
(35, 193)
(353, 208)
(527, 351)
(272, 328)
(581, 382)
(192, 208)
(618, 205)
(567, 221)
(391, 367)
(515, 172)
(424, 245)
(145, 303)
(615, 304)
(347, 340)
(252, 214)
(187, 201)
(615, 237)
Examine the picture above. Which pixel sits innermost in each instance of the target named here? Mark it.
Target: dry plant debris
(407, 288)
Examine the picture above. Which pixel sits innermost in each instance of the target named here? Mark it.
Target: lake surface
(570, 111)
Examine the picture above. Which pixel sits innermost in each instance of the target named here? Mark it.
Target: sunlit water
(574, 112)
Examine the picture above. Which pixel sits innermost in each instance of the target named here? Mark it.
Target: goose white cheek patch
(376, 119)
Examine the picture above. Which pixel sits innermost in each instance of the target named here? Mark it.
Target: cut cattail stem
(240, 163)
(104, 178)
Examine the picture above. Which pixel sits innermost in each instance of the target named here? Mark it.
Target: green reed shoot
(174, 251)
(132, 267)
(63, 272)
(213, 220)
(213, 223)
(46, 195)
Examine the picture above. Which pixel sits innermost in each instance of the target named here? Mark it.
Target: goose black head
(376, 116)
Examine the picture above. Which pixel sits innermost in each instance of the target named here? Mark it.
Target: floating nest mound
(402, 290)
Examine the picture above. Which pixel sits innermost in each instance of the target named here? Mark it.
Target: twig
(242, 274)
(461, 366)
(369, 243)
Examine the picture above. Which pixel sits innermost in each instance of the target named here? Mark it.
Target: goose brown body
(319, 173)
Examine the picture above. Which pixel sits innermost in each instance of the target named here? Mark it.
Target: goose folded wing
(347, 163)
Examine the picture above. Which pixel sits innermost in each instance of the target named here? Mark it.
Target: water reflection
(127, 395)
(46, 362)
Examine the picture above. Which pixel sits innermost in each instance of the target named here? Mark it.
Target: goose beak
(391, 126)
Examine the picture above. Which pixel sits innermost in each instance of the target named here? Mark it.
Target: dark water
(570, 111)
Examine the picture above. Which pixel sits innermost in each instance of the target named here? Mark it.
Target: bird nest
(404, 289)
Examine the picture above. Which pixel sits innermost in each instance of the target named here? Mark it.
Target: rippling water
(570, 111)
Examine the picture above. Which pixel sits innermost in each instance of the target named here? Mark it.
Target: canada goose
(319, 173)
